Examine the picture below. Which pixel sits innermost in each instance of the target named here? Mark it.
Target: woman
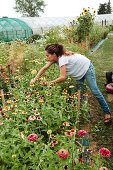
(76, 66)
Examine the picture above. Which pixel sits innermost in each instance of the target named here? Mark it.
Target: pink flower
(54, 142)
(104, 152)
(32, 137)
(82, 133)
(68, 133)
(62, 153)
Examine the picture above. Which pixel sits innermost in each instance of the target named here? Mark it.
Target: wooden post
(78, 109)
(3, 98)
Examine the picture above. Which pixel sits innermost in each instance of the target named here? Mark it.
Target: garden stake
(78, 109)
(3, 98)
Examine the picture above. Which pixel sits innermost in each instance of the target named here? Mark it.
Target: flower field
(40, 124)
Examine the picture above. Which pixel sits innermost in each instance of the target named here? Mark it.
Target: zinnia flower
(34, 109)
(66, 123)
(82, 133)
(41, 100)
(6, 108)
(13, 156)
(54, 142)
(62, 153)
(25, 100)
(39, 118)
(24, 112)
(68, 133)
(104, 152)
(49, 131)
(37, 113)
(64, 91)
(32, 137)
(1, 123)
(103, 168)
(32, 117)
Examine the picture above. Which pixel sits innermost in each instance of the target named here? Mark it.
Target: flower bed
(39, 126)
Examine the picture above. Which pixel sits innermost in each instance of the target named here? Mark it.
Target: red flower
(62, 153)
(82, 133)
(80, 160)
(32, 137)
(104, 152)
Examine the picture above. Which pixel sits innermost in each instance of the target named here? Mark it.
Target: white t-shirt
(76, 65)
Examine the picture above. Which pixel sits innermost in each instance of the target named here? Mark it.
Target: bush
(97, 33)
(34, 38)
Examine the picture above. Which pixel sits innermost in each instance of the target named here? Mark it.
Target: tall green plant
(80, 29)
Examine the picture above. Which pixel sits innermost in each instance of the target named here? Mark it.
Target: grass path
(102, 60)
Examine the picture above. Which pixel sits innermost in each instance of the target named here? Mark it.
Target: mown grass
(102, 60)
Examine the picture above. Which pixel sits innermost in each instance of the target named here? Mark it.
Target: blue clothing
(91, 81)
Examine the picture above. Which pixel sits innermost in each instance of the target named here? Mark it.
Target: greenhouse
(13, 29)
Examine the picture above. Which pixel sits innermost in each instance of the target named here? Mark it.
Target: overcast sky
(54, 8)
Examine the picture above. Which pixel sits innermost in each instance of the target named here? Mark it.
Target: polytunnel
(39, 25)
(13, 29)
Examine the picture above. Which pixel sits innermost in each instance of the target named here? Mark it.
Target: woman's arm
(62, 75)
(41, 71)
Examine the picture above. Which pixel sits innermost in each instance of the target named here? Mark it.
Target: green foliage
(54, 105)
(97, 34)
(54, 35)
(29, 8)
(80, 29)
(33, 38)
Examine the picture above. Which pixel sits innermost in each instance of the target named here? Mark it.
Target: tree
(109, 9)
(105, 8)
(102, 9)
(30, 8)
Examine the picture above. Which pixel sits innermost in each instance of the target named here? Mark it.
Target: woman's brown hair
(58, 49)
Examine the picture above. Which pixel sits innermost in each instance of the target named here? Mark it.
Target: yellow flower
(1, 123)
(33, 72)
(78, 18)
(73, 21)
(89, 17)
(13, 156)
(71, 86)
(67, 35)
(71, 32)
(94, 12)
(49, 132)
(82, 13)
(16, 77)
(85, 10)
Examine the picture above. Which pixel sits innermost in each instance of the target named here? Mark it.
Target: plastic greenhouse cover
(41, 24)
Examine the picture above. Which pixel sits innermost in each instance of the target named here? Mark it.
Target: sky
(54, 8)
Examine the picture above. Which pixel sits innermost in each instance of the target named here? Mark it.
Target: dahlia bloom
(62, 153)
(32, 137)
(104, 152)
(82, 133)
